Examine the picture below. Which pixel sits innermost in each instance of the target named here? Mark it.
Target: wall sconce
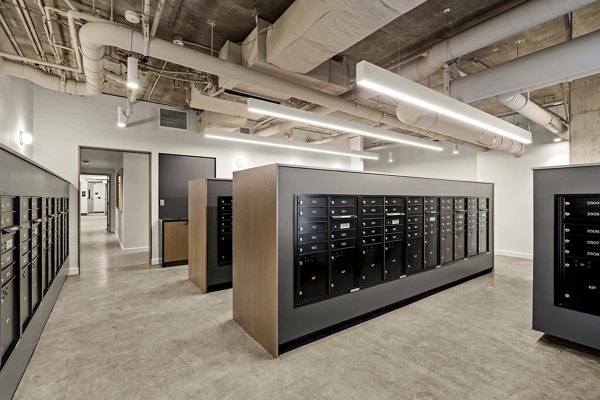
(25, 138)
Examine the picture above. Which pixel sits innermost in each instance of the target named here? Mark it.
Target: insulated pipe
(564, 62)
(94, 36)
(146, 27)
(157, 16)
(518, 19)
(46, 80)
(535, 113)
(421, 118)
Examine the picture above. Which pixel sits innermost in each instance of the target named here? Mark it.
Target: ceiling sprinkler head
(178, 40)
(132, 17)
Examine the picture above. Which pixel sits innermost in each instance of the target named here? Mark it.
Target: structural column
(585, 120)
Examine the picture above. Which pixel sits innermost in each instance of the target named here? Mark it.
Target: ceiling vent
(244, 130)
(173, 119)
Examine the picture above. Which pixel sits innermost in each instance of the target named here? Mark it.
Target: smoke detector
(178, 40)
(132, 17)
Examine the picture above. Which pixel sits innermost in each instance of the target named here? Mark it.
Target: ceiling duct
(210, 119)
(310, 32)
(95, 35)
(564, 62)
(536, 113)
(518, 19)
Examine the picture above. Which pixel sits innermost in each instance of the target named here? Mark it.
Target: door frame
(149, 153)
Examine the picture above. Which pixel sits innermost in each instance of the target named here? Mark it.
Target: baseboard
(516, 254)
(135, 249)
(73, 271)
(156, 261)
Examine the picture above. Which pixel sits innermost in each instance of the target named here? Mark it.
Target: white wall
(16, 112)
(62, 123)
(136, 189)
(513, 192)
(426, 163)
(512, 178)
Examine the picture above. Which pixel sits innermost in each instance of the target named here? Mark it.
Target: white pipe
(15, 57)
(27, 29)
(535, 113)
(518, 19)
(157, 16)
(94, 36)
(146, 27)
(564, 62)
(11, 36)
(46, 80)
(421, 118)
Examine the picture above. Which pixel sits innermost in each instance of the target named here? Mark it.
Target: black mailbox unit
(566, 266)
(348, 244)
(29, 282)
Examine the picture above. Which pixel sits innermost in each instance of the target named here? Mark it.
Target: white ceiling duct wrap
(312, 31)
(518, 19)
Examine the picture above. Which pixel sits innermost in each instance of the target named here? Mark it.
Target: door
(99, 197)
(394, 256)
(371, 264)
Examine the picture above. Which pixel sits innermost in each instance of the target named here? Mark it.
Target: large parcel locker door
(312, 276)
(9, 328)
(343, 213)
(414, 255)
(371, 250)
(394, 256)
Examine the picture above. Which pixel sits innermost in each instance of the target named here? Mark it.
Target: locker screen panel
(225, 233)
(577, 258)
(345, 243)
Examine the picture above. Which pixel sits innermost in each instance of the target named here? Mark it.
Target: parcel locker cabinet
(24, 209)
(431, 233)
(371, 249)
(394, 257)
(343, 239)
(460, 226)
(312, 255)
(414, 234)
(224, 233)
(9, 211)
(24, 297)
(9, 314)
(446, 230)
(577, 271)
(472, 226)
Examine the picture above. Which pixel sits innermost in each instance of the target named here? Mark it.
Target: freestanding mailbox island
(315, 250)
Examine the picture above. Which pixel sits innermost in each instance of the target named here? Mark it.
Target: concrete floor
(126, 330)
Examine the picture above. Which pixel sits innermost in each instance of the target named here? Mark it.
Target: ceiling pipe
(536, 113)
(11, 36)
(157, 17)
(46, 80)
(419, 117)
(96, 35)
(146, 27)
(518, 19)
(30, 34)
(564, 62)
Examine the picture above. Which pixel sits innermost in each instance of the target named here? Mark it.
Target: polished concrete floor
(126, 330)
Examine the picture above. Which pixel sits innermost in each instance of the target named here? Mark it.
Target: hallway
(127, 330)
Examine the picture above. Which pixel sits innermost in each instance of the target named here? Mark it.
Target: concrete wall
(585, 124)
(16, 112)
(63, 123)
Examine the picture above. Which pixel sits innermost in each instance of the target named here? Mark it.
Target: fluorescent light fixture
(133, 78)
(121, 118)
(455, 150)
(557, 139)
(391, 84)
(25, 138)
(325, 121)
(286, 144)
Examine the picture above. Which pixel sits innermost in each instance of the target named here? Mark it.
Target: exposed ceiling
(402, 40)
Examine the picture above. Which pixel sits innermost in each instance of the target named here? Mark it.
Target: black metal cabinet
(460, 222)
(472, 226)
(431, 235)
(312, 263)
(225, 230)
(578, 252)
(343, 272)
(394, 259)
(371, 250)
(414, 233)
(414, 256)
(9, 328)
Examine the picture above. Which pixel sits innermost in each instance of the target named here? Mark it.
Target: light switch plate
(162, 202)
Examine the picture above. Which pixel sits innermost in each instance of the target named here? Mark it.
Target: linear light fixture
(391, 84)
(325, 121)
(286, 144)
